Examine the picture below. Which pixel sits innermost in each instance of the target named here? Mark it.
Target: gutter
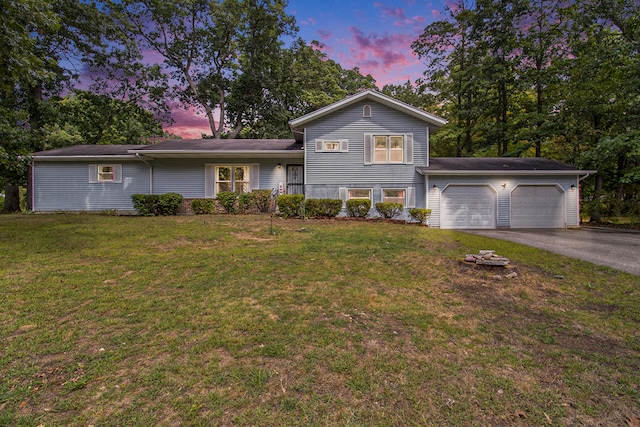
(150, 172)
(588, 174)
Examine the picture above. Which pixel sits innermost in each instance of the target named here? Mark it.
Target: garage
(537, 206)
(468, 207)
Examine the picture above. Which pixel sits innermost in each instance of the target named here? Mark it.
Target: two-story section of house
(366, 146)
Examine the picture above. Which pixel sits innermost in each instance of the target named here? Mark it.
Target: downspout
(150, 172)
(33, 184)
(585, 177)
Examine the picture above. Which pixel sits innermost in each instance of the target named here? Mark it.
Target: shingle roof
(495, 163)
(233, 145)
(88, 150)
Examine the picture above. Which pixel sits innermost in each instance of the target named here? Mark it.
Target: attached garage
(537, 206)
(468, 207)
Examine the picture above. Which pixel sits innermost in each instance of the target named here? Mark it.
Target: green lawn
(214, 320)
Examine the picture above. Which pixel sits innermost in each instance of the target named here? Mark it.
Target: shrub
(322, 207)
(389, 209)
(244, 202)
(262, 199)
(169, 203)
(228, 200)
(290, 205)
(145, 204)
(203, 206)
(358, 208)
(154, 204)
(419, 214)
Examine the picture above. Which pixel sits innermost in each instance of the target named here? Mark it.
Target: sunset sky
(374, 36)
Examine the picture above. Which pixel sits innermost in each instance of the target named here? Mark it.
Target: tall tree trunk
(595, 207)
(11, 199)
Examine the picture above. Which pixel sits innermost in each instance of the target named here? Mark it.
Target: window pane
(105, 173)
(241, 173)
(381, 142)
(396, 142)
(394, 196)
(331, 146)
(360, 194)
(223, 173)
(241, 187)
(223, 186)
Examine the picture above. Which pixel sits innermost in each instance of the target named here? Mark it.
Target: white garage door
(468, 206)
(537, 206)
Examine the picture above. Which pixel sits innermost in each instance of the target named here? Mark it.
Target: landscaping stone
(487, 257)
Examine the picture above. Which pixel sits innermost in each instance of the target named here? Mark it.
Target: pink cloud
(324, 34)
(189, 124)
(308, 21)
(436, 13)
(396, 12)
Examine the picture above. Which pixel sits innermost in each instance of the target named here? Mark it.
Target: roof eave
(503, 172)
(69, 158)
(368, 94)
(221, 154)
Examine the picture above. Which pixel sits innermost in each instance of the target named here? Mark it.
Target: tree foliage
(540, 77)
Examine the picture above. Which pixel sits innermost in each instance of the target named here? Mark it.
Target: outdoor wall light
(573, 187)
(279, 165)
(504, 185)
(434, 186)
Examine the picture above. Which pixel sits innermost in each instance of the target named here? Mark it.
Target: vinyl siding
(572, 218)
(65, 186)
(187, 176)
(326, 172)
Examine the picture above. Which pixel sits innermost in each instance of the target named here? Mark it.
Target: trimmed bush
(262, 200)
(326, 208)
(227, 200)
(290, 205)
(389, 209)
(169, 203)
(145, 204)
(358, 208)
(419, 214)
(244, 202)
(203, 206)
(157, 204)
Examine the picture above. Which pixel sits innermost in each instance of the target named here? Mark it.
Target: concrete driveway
(615, 248)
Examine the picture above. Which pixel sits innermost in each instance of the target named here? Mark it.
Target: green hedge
(203, 206)
(157, 204)
(419, 214)
(290, 205)
(358, 208)
(389, 209)
(326, 208)
(228, 200)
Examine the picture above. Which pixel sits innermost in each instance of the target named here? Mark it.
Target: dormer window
(366, 111)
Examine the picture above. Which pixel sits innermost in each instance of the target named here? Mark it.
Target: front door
(295, 179)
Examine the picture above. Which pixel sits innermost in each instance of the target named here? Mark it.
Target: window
(332, 145)
(388, 148)
(105, 173)
(233, 178)
(359, 194)
(394, 196)
(366, 111)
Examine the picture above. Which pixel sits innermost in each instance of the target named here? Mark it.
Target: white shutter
(209, 172)
(344, 145)
(319, 147)
(255, 177)
(93, 173)
(117, 173)
(408, 148)
(368, 148)
(411, 197)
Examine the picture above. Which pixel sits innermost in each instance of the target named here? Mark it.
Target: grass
(213, 320)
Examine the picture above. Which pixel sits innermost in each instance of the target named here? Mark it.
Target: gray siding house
(365, 146)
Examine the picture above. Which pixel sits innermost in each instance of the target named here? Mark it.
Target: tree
(451, 69)
(22, 67)
(88, 118)
(219, 53)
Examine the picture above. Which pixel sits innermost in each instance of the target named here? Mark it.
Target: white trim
(500, 172)
(374, 96)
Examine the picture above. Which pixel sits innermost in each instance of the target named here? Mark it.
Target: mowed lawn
(214, 320)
